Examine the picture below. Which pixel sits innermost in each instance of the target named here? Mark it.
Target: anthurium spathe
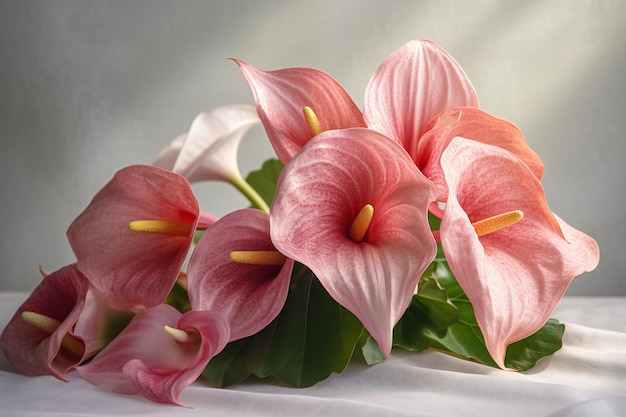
(352, 207)
(470, 123)
(208, 152)
(132, 239)
(514, 276)
(159, 353)
(236, 270)
(281, 97)
(40, 338)
(414, 84)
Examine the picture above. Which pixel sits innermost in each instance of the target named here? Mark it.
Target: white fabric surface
(587, 377)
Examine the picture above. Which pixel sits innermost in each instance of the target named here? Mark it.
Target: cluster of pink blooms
(351, 204)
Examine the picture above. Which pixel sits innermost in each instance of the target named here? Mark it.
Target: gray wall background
(87, 87)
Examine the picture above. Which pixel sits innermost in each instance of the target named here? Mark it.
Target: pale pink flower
(208, 151)
(40, 338)
(236, 270)
(132, 239)
(516, 275)
(352, 206)
(414, 84)
(159, 353)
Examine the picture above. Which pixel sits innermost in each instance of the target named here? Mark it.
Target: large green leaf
(312, 337)
(465, 339)
(237, 360)
(264, 179)
(428, 316)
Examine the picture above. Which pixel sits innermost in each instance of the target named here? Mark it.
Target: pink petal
(166, 158)
(60, 296)
(98, 321)
(281, 97)
(145, 359)
(134, 269)
(414, 84)
(248, 296)
(209, 150)
(470, 123)
(319, 194)
(513, 277)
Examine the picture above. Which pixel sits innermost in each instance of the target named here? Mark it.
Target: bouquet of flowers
(418, 222)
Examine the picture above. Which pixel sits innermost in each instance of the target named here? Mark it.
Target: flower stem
(250, 193)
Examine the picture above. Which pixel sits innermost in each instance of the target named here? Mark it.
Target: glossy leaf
(312, 337)
(465, 339)
(371, 351)
(235, 362)
(264, 179)
(428, 317)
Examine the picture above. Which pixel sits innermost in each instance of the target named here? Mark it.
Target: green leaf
(523, 355)
(311, 338)
(239, 358)
(433, 221)
(231, 365)
(427, 318)
(264, 179)
(371, 352)
(465, 339)
(178, 298)
(314, 336)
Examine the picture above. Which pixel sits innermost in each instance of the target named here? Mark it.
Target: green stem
(246, 189)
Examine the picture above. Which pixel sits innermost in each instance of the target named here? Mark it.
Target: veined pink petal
(414, 84)
(319, 194)
(248, 296)
(145, 359)
(134, 269)
(514, 277)
(60, 296)
(470, 123)
(209, 150)
(281, 96)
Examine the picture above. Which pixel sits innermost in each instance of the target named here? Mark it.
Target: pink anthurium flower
(236, 270)
(470, 123)
(40, 338)
(414, 84)
(513, 274)
(132, 239)
(159, 353)
(352, 206)
(209, 150)
(281, 97)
